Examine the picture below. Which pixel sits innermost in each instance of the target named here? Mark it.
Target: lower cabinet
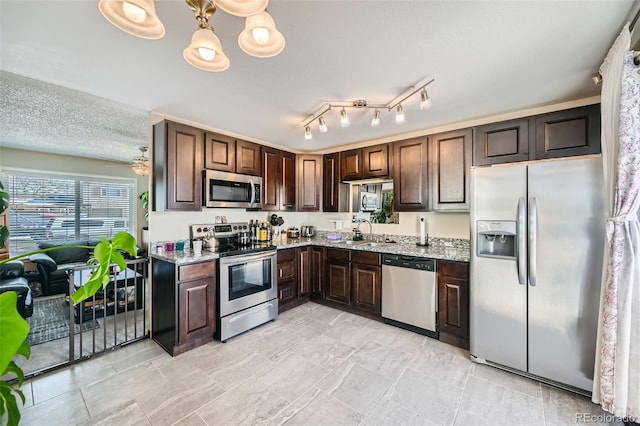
(183, 301)
(287, 279)
(317, 261)
(338, 276)
(366, 282)
(453, 302)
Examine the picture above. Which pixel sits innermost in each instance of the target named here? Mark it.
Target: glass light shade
(136, 17)
(425, 100)
(322, 125)
(204, 40)
(141, 168)
(242, 8)
(375, 121)
(344, 118)
(264, 46)
(307, 133)
(400, 117)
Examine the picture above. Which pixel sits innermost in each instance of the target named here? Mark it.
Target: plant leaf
(4, 235)
(13, 368)
(13, 328)
(124, 241)
(13, 413)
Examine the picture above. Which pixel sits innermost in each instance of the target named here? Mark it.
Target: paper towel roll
(423, 231)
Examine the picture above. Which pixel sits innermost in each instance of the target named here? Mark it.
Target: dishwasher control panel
(412, 262)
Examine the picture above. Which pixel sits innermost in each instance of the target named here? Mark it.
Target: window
(63, 208)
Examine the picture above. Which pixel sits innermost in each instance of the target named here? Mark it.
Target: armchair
(12, 279)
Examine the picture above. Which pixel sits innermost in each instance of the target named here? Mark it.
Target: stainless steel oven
(248, 292)
(223, 189)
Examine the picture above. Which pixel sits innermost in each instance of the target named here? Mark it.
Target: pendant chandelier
(140, 164)
(260, 37)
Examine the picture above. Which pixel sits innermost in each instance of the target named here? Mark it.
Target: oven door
(246, 281)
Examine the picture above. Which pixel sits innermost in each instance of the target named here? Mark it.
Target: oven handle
(246, 314)
(237, 260)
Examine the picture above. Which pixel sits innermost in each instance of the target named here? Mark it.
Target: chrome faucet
(370, 227)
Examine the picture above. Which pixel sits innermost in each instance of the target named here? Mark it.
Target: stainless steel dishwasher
(409, 293)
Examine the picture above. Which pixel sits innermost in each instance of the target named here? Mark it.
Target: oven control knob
(235, 228)
(198, 229)
(205, 229)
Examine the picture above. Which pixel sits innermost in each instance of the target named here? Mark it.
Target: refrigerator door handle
(533, 229)
(521, 223)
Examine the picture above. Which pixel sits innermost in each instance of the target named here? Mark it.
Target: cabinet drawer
(453, 269)
(337, 255)
(286, 255)
(365, 258)
(196, 270)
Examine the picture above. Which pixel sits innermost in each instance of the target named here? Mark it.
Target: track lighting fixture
(425, 100)
(260, 37)
(344, 118)
(375, 121)
(400, 118)
(322, 125)
(395, 104)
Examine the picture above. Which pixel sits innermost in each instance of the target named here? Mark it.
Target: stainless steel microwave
(223, 189)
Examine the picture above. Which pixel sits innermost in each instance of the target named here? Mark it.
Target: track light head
(375, 121)
(400, 117)
(344, 118)
(307, 133)
(322, 125)
(425, 100)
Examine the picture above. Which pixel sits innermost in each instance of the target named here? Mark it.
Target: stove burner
(227, 238)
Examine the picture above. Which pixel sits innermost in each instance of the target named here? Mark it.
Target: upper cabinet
(568, 133)
(365, 163)
(177, 165)
(278, 179)
(219, 152)
(309, 183)
(450, 163)
(410, 174)
(563, 133)
(248, 158)
(335, 195)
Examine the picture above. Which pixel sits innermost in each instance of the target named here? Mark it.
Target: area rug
(50, 320)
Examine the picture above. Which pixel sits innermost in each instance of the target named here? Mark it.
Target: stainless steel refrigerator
(537, 237)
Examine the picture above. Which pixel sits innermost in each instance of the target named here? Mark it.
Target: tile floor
(313, 365)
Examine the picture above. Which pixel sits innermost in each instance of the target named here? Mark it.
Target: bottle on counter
(263, 232)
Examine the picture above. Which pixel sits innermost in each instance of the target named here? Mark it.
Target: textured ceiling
(487, 58)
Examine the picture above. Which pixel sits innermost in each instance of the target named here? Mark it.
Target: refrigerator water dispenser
(496, 239)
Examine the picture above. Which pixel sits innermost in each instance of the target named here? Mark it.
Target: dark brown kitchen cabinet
(450, 165)
(287, 279)
(177, 165)
(351, 164)
(411, 174)
(568, 133)
(317, 263)
(366, 281)
(338, 276)
(453, 302)
(309, 183)
(278, 179)
(503, 142)
(248, 158)
(335, 194)
(183, 301)
(219, 152)
(375, 161)
(305, 266)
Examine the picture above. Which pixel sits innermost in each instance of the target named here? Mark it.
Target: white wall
(44, 162)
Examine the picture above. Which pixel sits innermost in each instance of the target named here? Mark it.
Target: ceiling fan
(140, 164)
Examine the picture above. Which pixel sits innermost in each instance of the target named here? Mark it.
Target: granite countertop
(434, 251)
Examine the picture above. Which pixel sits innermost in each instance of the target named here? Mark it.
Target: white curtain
(617, 370)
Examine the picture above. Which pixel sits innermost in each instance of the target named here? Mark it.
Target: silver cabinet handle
(533, 229)
(522, 242)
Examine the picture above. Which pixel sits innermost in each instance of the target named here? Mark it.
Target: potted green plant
(15, 329)
(144, 237)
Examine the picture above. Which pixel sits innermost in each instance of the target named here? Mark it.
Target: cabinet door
(247, 158)
(335, 195)
(338, 275)
(304, 271)
(567, 133)
(453, 298)
(270, 179)
(287, 181)
(367, 285)
(410, 175)
(351, 164)
(316, 271)
(196, 307)
(287, 278)
(219, 152)
(450, 162)
(375, 161)
(183, 179)
(309, 182)
(504, 142)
